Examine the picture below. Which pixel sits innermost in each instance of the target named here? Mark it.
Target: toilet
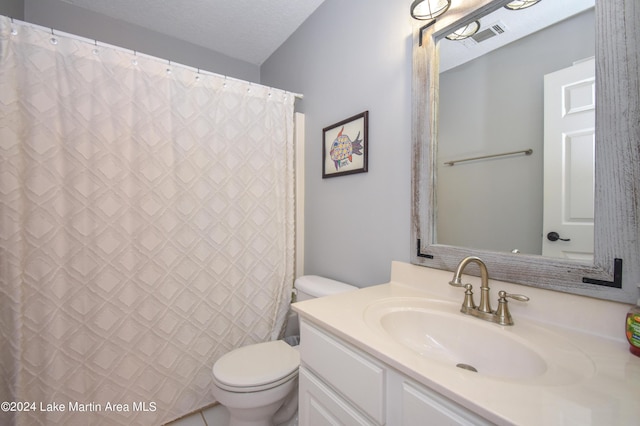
(259, 383)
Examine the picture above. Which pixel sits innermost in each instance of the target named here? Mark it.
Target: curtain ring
(13, 29)
(53, 40)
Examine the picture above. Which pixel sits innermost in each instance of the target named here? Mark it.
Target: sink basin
(437, 331)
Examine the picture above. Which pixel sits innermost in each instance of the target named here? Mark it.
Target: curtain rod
(135, 53)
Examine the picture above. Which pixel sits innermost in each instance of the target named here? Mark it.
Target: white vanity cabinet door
(421, 406)
(352, 373)
(319, 405)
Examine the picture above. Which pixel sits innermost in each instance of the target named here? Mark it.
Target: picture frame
(345, 146)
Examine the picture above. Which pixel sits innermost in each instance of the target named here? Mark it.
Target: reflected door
(569, 142)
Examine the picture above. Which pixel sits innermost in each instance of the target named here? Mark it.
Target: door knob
(554, 236)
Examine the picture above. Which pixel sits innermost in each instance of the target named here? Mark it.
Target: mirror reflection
(521, 85)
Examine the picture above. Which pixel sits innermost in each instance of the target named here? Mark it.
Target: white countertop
(609, 394)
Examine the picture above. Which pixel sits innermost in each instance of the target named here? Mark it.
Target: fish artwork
(343, 149)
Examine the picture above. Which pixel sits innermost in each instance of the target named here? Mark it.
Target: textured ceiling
(249, 30)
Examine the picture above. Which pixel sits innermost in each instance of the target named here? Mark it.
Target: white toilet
(258, 383)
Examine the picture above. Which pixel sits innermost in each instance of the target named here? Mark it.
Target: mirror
(614, 271)
(497, 86)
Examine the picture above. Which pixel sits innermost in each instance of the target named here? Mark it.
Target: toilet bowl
(254, 381)
(259, 383)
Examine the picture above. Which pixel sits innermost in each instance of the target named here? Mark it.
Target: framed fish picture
(345, 146)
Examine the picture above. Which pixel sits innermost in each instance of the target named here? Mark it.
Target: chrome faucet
(483, 311)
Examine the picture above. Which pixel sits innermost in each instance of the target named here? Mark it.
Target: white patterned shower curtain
(146, 228)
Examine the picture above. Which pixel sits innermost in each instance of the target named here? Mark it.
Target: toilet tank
(312, 286)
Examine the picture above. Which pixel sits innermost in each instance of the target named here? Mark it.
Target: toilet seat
(256, 367)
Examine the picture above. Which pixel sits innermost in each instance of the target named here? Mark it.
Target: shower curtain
(146, 228)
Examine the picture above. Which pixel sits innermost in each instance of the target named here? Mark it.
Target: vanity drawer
(356, 376)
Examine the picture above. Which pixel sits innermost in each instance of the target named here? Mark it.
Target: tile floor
(216, 415)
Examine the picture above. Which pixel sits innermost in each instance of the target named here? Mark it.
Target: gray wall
(499, 99)
(12, 9)
(71, 19)
(348, 57)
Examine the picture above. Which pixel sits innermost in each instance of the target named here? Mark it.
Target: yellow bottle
(633, 329)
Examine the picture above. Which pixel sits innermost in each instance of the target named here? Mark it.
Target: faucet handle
(468, 302)
(503, 315)
(519, 297)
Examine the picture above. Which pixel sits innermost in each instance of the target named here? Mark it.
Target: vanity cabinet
(342, 385)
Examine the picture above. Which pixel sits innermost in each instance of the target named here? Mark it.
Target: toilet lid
(256, 365)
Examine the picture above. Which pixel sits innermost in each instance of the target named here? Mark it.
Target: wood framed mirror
(614, 271)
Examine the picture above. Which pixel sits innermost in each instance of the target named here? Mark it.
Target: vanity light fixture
(429, 9)
(464, 32)
(520, 4)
